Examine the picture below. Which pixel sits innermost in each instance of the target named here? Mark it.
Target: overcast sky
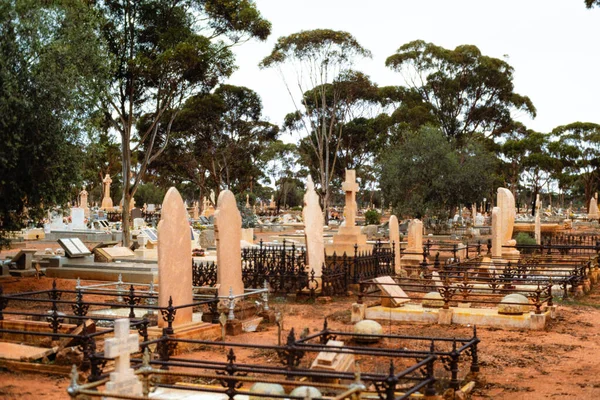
(553, 46)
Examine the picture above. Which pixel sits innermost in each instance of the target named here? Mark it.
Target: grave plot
(58, 318)
(512, 294)
(329, 364)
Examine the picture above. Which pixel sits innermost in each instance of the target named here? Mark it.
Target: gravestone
(593, 210)
(333, 362)
(390, 288)
(23, 260)
(228, 234)
(506, 202)
(78, 218)
(395, 241)
(110, 254)
(136, 213)
(497, 233)
(414, 249)
(312, 214)
(107, 203)
(349, 235)
(83, 201)
(123, 380)
(174, 258)
(538, 220)
(74, 247)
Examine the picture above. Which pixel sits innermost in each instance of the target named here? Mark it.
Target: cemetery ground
(557, 363)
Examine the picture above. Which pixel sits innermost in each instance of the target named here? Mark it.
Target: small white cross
(122, 345)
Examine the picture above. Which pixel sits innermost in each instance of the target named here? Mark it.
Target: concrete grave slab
(389, 287)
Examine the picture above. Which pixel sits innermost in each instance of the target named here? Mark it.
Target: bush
(524, 239)
(372, 217)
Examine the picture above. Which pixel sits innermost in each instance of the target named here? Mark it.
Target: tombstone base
(445, 316)
(233, 327)
(192, 330)
(23, 272)
(268, 316)
(358, 312)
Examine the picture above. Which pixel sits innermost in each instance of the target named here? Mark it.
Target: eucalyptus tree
(51, 72)
(592, 3)
(320, 64)
(578, 148)
(218, 140)
(465, 91)
(161, 53)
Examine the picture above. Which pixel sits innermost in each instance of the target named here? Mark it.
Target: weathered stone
(367, 327)
(497, 232)
(266, 389)
(107, 202)
(538, 220)
(395, 295)
(504, 307)
(593, 212)
(306, 392)
(228, 233)
(312, 214)
(175, 258)
(432, 300)
(395, 241)
(69, 356)
(123, 380)
(414, 248)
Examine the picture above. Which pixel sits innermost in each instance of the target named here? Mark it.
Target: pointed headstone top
(228, 233)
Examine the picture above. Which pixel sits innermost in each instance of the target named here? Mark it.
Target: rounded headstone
(433, 300)
(306, 391)
(367, 327)
(267, 389)
(513, 309)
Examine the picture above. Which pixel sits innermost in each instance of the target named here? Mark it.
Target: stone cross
(123, 380)
(174, 258)
(538, 220)
(228, 234)
(312, 214)
(395, 241)
(83, 199)
(107, 181)
(350, 187)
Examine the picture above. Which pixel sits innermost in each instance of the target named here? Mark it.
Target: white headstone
(593, 210)
(538, 220)
(312, 214)
(78, 218)
(228, 234)
(174, 258)
(123, 380)
(415, 236)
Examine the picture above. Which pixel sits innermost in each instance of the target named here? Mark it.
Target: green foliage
(425, 174)
(592, 3)
(525, 239)
(249, 219)
(218, 140)
(465, 91)
(50, 71)
(149, 193)
(372, 217)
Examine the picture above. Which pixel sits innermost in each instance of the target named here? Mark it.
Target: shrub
(372, 217)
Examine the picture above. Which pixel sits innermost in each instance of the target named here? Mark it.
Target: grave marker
(123, 380)
(312, 214)
(390, 288)
(228, 234)
(74, 247)
(395, 241)
(174, 258)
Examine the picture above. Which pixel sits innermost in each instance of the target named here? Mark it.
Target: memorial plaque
(151, 234)
(74, 247)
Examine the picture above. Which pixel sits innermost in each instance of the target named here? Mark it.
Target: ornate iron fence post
(473, 352)
(453, 367)
(430, 389)
(80, 308)
(168, 315)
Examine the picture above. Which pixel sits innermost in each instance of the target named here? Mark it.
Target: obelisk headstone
(107, 202)
(395, 241)
(593, 213)
(312, 214)
(506, 202)
(228, 233)
(538, 220)
(174, 257)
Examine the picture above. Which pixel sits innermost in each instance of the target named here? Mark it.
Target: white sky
(553, 46)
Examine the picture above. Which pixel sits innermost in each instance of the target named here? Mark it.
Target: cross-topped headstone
(123, 380)
(350, 187)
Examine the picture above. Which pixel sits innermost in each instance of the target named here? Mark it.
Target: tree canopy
(465, 91)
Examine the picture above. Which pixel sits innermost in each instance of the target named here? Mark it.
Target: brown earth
(558, 363)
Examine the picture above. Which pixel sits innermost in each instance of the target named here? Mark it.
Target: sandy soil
(558, 363)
